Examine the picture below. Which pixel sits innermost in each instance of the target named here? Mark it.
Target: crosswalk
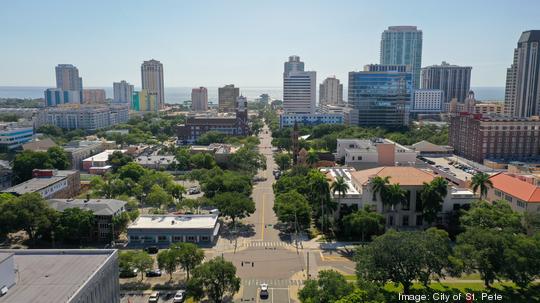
(269, 244)
(277, 283)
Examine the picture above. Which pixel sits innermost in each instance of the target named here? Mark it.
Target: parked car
(264, 291)
(180, 296)
(194, 190)
(151, 249)
(128, 273)
(154, 297)
(153, 273)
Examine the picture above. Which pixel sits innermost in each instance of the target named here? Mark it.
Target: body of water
(181, 94)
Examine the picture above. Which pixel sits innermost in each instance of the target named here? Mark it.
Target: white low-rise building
(362, 153)
(166, 229)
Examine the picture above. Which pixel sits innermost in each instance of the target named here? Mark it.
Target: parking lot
(443, 166)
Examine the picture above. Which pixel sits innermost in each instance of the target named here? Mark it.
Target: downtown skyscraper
(67, 77)
(453, 80)
(199, 99)
(299, 88)
(330, 92)
(403, 45)
(123, 92)
(152, 80)
(522, 95)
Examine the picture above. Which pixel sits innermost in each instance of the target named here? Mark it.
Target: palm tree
(321, 192)
(432, 196)
(312, 158)
(394, 195)
(340, 186)
(481, 181)
(379, 185)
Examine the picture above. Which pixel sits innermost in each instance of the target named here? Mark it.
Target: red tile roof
(515, 187)
(404, 175)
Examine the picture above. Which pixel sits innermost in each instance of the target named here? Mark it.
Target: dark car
(151, 249)
(153, 273)
(128, 273)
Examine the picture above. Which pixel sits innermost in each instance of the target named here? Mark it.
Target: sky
(245, 42)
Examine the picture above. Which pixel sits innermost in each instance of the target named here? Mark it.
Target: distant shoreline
(180, 94)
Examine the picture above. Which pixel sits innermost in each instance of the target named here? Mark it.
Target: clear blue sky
(211, 43)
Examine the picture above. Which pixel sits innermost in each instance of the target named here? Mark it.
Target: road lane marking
(262, 217)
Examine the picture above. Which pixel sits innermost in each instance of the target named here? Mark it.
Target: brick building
(476, 137)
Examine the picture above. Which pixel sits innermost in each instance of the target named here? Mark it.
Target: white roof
(104, 156)
(175, 222)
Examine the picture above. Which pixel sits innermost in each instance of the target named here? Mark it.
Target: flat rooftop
(33, 185)
(104, 156)
(47, 275)
(175, 222)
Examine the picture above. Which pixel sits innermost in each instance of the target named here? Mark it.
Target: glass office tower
(381, 98)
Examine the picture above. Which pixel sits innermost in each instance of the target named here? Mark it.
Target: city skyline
(191, 32)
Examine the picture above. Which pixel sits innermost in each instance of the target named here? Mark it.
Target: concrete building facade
(199, 99)
(94, 96)
(331, 92)
(152, 80)
(299, 88)
(454, 80)
(227, 96)
(79, 275)
(428, 101)
(122, 92)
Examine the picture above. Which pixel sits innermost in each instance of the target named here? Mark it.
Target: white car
(154, 298)
(179, 296)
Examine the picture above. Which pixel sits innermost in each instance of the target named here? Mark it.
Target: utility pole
(296, 231)
(307, 268)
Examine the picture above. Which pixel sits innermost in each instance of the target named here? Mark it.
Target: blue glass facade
(381, 98)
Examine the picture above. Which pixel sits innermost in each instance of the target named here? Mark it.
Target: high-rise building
(152, 80)
(67, 77)
(330, 92)
(294, 64)
(199, 99)
(227, 97)
(123, 92)
(57, 96)
(299, 88)
(93, 96)
(522, 96)
(427, 101)
(403, 45)
(145, 101)
(87, 116)
(454, 80)
(380, 98)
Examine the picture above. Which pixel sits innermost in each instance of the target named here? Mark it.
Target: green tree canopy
(328, 288)
(118, 159)
(497, 216)
(75, 225)
(158, 197)
(363, 224)
(215, 278)
(432, 196)
(202, 160)
(283, 160)
(291, 208)
(234, 205)
(26, 161)
(481, 182)
(188, 255)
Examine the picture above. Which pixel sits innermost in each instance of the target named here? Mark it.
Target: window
(508, 198)
(178, 238)
(407, 204)
(405, 221)
(521, 204)
(390, 220)
(456, 206)
(205, 238)
(191, 239)
(498, 193)
(419, 220)
(162, 239)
